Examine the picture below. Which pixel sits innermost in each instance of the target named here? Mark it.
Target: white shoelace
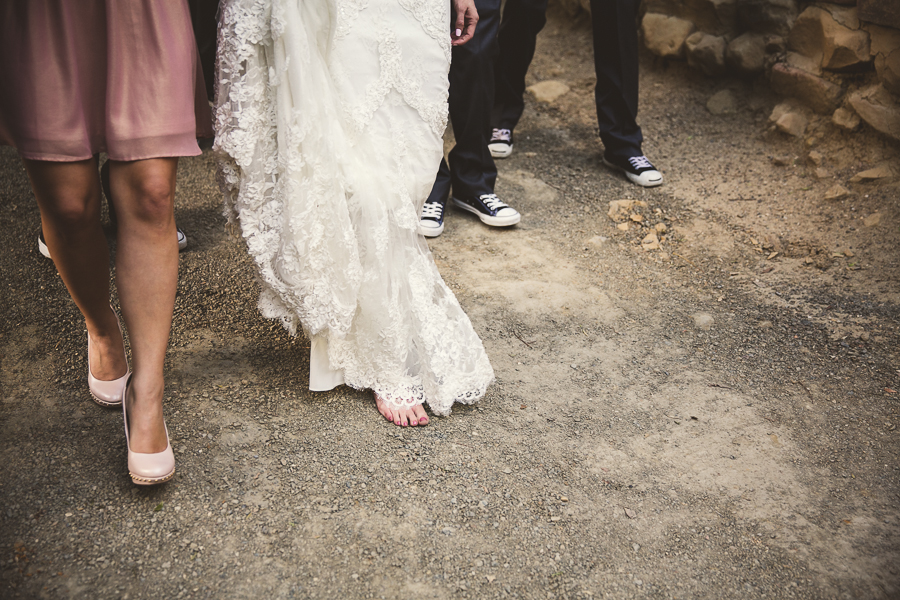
(432, 210)
(501, 135)
(640, 162)
(492, 201)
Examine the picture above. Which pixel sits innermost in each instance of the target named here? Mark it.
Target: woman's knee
(152, 199)
(71, 209)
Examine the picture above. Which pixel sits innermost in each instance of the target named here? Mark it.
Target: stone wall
(839, 58)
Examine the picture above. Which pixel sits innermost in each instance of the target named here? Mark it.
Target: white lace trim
(328, 129)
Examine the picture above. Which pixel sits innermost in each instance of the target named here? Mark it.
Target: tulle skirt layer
(329, 124)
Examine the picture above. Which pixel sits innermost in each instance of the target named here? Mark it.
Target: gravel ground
(713, 418)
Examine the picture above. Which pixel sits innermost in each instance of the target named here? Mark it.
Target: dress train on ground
(329, 124)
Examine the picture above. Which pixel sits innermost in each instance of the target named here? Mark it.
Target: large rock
(792, 123)
(789, 118)
(815, 92)
(767, 16)
(886, 50)
(845, 119)
(804, 63)
(888, 68)
(784, 108)
(835, 43)
(877, 107)
(747, 53)
(880, 12)
(717, 17)
(845, 15)
(706, 52)
(664, 35)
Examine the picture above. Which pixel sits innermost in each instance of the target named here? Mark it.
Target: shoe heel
(107, 394)
(148, 468)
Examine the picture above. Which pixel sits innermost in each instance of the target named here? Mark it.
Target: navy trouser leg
(440, 191)
(472, 170)
(616, 64)
(522, 21)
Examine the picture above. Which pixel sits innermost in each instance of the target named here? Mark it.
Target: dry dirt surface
(714, 418)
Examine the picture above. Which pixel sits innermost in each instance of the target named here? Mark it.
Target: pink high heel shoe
(148, 469)
(107, 393)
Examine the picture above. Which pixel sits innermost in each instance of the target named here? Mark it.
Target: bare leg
(68, 195)
(403, 417)
(146, 276)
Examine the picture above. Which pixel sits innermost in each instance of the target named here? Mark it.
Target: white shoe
(182, 239)
(501, 143)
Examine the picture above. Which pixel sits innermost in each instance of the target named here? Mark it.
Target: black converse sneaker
(432, 222)
(490, 209)
(637, 169)
(501, 143)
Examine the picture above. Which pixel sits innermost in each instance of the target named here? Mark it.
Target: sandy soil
(713, 418)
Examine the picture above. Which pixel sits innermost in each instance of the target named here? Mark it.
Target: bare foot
(404, 417)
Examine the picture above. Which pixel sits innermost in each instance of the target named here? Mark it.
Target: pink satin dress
(79, 77)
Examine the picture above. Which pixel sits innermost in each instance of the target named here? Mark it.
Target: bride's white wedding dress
(329, 121)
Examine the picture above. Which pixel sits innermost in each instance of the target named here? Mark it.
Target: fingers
(460, 26)
(466, 19)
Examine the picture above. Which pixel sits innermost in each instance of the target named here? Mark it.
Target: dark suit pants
(616, 64)
(522, 21)
(471, 171)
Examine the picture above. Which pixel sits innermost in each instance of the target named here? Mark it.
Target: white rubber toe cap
(430, 228)
(651, 178)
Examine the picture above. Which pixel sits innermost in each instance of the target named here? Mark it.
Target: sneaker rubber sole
(431, 232)
(182, 239)
(487, 219)
(500, 150)
(42, 247)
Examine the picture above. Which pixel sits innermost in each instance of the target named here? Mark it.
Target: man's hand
(466, 19)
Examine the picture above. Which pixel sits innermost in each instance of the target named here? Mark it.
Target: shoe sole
(431, 232)
(500, 150)
(487, 219)
(104, 403)
(137, 480)
(634, 178)
(42, 248)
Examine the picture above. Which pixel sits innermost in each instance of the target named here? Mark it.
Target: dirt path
(713, 418)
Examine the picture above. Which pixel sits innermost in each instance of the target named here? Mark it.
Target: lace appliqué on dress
(328, 129)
